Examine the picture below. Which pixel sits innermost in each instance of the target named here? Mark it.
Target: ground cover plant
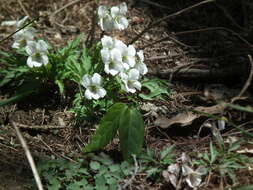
(104, 107)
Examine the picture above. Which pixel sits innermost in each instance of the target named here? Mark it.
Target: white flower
(113, 61)
(22, 37)
(118, 14)
(193, 178)
(130, 80)
(140, 65)
(105, 19)
(20, 23)
(107, 42)
(93, 86)
(127, 52)
(37, 52)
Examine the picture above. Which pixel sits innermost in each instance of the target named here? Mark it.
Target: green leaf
(214, 153)
(247, 187)
(241, 108)
(60, 85)
(131, 132)
(86, 61)
(94, 165)
(234, 146)
(156, 87)
(164, 153)
(107, 129)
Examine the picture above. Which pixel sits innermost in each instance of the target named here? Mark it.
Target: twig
(23, 8)
(201, 74)
(129, 182)
(43, 17)
(226, 13)
(216, 28)
(38, 127)
(29, 157)
(21, 28)
(201, 30)
(64, 7)
(154, 4)
(168, 17)
(247, 83)
(91, 35)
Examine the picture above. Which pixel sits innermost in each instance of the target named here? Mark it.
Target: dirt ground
(196, 50)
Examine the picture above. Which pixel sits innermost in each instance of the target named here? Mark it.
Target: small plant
(220, 162)
(223, 161)
(100, 172)
(153, 164)
(107, 76)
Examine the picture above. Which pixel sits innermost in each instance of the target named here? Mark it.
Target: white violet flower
(140, 65)
(105, 19)
(37, 52)
(20, 23)
(193, 178)
(114, 18)
(107, 42)
(113, 61)
(118, 14)
(17, 23)
(128, 53)
(130, 80)
(93, 86)
(22, 37)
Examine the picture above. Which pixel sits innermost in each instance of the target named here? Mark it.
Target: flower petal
(96, 79)
(101, 92)
(105, 54)
(88, 94)
(115, 11)
(123, 8)
(107, 42)
(42, 46)
(134, 74)
(31, 47)
(86, 81)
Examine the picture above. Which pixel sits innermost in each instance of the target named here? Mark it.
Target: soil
(211, 36)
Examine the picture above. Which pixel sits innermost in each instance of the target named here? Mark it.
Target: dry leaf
(186, 118)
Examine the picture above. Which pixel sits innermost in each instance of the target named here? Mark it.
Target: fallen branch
(201, 30)
(38, 127)
(168, 17)
(29, 157)
(247, 83)
(201, 74)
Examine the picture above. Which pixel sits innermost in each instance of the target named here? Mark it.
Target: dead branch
(29, 157)
(201, 30)
(38, 127)
(247, 83)
(202, 74)
(168, 17)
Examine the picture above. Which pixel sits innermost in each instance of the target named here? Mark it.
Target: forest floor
(203, 52)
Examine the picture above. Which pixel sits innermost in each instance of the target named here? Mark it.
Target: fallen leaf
(186, 118)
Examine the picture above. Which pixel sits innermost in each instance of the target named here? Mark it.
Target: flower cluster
(120, 59)
(37, 51)
(23, 36)
(114, 18)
